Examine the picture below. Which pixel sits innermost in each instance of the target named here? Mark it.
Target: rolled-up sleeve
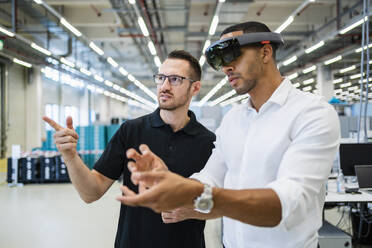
(306, 164)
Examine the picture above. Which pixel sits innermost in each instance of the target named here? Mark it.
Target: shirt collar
(191, 128)
(279, 96)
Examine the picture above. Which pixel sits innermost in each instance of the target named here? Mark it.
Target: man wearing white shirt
(272, 157)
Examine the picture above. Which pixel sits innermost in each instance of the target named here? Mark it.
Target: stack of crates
(111, 130)
(48, 144)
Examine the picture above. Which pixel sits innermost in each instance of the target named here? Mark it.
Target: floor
(53, 215)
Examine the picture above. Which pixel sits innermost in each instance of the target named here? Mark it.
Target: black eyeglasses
(174, 80)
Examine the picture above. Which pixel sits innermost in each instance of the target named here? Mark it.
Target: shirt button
(171, 148)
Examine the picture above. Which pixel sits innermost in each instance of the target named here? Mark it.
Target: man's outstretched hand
(144, 161)
(65, 138)
(168, 191)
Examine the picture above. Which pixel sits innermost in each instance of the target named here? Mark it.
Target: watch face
(205, 204)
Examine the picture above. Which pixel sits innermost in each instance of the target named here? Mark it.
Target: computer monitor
(352, 154)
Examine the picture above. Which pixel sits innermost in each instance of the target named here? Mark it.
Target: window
(52, 111)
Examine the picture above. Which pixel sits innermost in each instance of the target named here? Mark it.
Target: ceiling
(178, 24)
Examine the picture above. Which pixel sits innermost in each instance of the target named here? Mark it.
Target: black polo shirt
(184, 152)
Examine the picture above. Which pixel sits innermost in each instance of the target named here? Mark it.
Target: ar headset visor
(223, 52)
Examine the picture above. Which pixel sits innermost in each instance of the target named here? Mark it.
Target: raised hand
(146, 161)
(169, 191)
(65, 138)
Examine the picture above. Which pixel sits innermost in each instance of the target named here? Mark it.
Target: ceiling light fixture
(112, 62)
(350, 68)
(151, 48)
(96, 48)
(67, 62)
(285, 24)
(309, 69)
(5, 31)
(143, 27)
(70, 27)
(290, 60)
(21, 62)
(212, 92)
(222, 98)
(314, 47)
(41, 49)
(335, 59)
(354, 25)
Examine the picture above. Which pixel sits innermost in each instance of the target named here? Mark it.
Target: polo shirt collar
(191, 128)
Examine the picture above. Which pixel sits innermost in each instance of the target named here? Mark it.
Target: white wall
(16, 133)
(27, 98)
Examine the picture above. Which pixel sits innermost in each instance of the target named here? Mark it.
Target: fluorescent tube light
(132, 1)
(38, 1)
(143, 27)
(116, 87)
(285, 24)
(85, 71)
(70, 27)
(314, 47)
(309, 81)
(67, 62)
(151, 48)
(202, 60)
(337, 81)
(5, 31)
(308, 88)
(123, 71)
(364, 48)
(157, 61)
(290, 60)
(206, 45)
(296, 85)
(330, 61)
(131, 78)
(350, 68)
(355, 76)
(354, 25)
(309, 69)
(112, 62)
(345, 85)
(40, 49)
(212, 92)
(96, 48)
(222, 98)
(98, 78)
(212, 29)
(21, 62)
(293, 76)
(109, 83)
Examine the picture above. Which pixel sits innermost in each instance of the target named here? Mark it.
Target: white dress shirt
(288, 146)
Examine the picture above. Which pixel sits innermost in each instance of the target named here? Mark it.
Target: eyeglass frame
(167, 77)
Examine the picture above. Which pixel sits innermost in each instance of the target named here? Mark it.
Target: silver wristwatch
(204, 202)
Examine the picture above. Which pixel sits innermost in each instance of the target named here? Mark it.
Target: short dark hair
(193, 62)
(251, 27)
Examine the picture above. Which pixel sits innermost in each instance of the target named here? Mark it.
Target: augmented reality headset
(223, 52)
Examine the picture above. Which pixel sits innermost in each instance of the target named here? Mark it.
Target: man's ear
(196, 87)
(267, 53)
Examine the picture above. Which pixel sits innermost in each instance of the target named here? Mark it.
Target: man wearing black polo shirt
(172, 132)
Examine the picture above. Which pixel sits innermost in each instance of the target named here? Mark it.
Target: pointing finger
(52, 123)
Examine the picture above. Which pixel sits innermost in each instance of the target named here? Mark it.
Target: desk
(333, 197)
(362, 199)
